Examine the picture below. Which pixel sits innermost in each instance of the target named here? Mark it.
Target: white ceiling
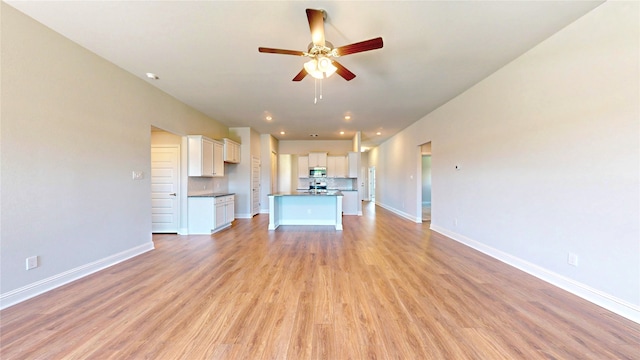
(206, 55)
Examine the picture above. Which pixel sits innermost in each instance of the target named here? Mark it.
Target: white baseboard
(400, 213)
(244, 216)
(39, 287)
(602, 299)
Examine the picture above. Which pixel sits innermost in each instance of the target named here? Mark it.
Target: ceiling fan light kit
(320, 68)
(322, 53)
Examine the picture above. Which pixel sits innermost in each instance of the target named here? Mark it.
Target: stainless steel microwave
(317, 172)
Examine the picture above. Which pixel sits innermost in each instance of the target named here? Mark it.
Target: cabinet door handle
(173, 194)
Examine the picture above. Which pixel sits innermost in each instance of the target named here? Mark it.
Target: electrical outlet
(572, 259)
(32, 262)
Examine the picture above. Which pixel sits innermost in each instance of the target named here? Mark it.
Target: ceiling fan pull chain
(320, 89)
(315, 91)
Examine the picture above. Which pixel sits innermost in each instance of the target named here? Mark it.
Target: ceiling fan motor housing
(317, 50)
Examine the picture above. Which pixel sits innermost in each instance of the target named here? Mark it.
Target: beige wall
(73, 129)
(165, 138)
(269, 177)
(549, 157)
(240, 174)
(303, 147)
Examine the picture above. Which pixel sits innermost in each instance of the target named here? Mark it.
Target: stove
(318, 186)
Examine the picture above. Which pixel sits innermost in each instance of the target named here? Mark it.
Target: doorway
(274, 172)
(166, 197)
(425, 156)
(372, 184)
(255, 186)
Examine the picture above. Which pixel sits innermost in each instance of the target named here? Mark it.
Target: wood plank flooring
(384, 288)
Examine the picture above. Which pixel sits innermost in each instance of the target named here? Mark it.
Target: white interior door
(255, 186)
(165, 181)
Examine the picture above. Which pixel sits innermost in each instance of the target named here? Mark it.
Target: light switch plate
(572, 259)
(137, 175)
(32, 262)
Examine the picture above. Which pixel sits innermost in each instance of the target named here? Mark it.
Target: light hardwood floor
(384, 288)
(426, 213)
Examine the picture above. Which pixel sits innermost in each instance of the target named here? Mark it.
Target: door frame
(253, 211)
(371, 179)
(419, 154)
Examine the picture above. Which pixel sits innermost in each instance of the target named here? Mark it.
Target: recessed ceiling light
(281, 132)
(268, 118)
(341, 132)
(378, 133)
(152, 76)
(347, 117)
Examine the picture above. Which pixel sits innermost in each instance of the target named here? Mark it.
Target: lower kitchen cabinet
(224, 211)
(209, 214)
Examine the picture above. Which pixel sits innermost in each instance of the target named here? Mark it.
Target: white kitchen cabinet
(231, 151)
(224, 212)
(353, 164)
(350, 202)
(207, 214)
(336, 166)
(205, 156)
(218, 159)
(318, 159)
(200, 215)
(219, 213)
(303, 166)
(230, 209)
(331, 166)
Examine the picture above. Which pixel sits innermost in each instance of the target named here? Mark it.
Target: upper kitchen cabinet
(318, 159)
(231, 151)
(303, 166)
(205, 157)
(337, 166)
(353, 161)
(218, 159)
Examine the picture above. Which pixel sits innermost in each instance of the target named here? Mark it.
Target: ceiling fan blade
(300, 75)
(343, 71)
(366, 45)
(280, 51)
(316, 25)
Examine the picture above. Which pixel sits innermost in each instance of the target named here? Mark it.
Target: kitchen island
(305, 208)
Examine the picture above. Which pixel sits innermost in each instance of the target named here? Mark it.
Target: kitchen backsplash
(206, 185)
(332, 183)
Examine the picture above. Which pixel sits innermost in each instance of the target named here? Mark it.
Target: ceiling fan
(322, 53)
